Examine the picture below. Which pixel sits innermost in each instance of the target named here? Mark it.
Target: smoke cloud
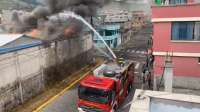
(44, 17)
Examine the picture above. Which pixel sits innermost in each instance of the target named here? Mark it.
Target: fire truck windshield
(94, 95)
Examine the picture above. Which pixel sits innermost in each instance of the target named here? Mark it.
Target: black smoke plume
(58, 27)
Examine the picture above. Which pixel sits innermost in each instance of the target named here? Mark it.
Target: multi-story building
(110, 28)
(176, 34)
(110, 33)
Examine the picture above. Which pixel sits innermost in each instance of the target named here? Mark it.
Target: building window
(197, 31)
(182, 30)
(109, 32)
(185, 31)
(175, 2)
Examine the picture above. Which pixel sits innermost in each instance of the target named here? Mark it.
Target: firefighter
(144, 73)
(121, 62)
(93, 61)
(148, 78)
(150, 58)
(151, 61)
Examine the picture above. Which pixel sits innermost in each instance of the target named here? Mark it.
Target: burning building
(65, 47)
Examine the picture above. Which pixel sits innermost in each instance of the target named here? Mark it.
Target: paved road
(134, 50)
(65, 103)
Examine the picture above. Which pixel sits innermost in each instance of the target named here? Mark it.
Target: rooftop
(116, 15)
(7, 38)
(152, 101)
(15, 42)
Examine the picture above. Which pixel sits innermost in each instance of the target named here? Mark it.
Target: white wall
(26, 67)
(21, 64)
(29, 62)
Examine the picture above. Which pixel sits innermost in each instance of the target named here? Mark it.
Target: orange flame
(34, 33)
(69, 31)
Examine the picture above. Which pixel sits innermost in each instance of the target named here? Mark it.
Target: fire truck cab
(106, 88)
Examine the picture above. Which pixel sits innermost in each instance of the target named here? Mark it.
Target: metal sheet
(7, 38)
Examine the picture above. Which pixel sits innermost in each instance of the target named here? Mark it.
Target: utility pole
(168, 74)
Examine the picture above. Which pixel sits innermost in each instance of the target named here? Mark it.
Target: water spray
(103, 52)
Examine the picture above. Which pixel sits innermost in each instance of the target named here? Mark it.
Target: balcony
(189, 10)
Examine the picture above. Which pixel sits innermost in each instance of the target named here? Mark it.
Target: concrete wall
(21, 77)
(186, 82)
(162, 40)
(25, 73)
(186, 71)
(182, 82)
(182, 66)
(71, 55)
(173, 11)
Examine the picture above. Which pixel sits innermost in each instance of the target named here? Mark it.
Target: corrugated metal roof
(7, 38)
(15, 42)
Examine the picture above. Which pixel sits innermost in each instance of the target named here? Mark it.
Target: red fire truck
(106, 88)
